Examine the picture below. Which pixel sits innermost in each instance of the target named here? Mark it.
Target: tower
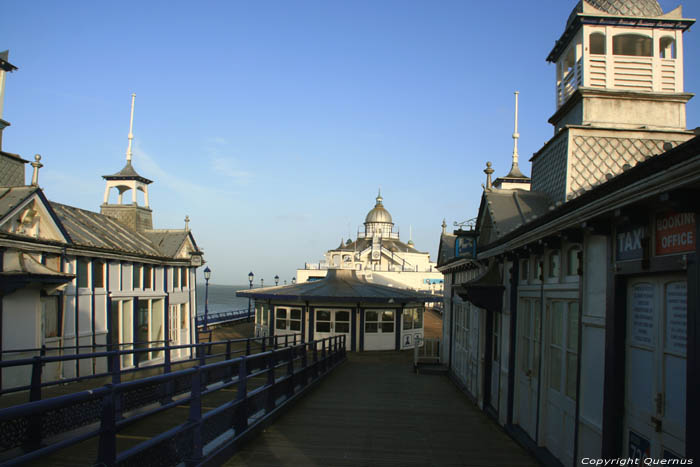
(515, 178)
(619, 94)
(137, 217)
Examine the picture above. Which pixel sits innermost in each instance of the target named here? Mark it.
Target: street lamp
(285, 282)
(251, 276)
(294, 280)
(262, 282)
(207, 276)
(277, 280)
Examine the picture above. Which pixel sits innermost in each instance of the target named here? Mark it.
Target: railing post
(323, 355)
(166, 364)
(290, 372)
(116, 367)
(202, 355)
(35, 391)
(286, 340)
(263, 344)
(247, 346)
(195, 418)
(107, 449)
(269, 390)
(228, 349)
(240, 421)
(304, 362)
(274, 341)
(315, 344)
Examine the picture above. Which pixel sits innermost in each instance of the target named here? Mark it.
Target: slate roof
(510, 209)
(339, 285)
(390, 244)
(10, 197)
(446, 250)
(90, 229)
(168, 242)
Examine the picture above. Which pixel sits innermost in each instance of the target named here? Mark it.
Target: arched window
(667, 47)
(553, 266)
(524, 270)
(596, 43)
(632, 44)
(572, 262)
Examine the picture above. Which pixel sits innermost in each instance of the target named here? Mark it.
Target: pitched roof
(446, 250)
(168, 242)
(127, 173)
(390, 244)
(11, 197)
(339, 285)
(90, 229)
(510, 209)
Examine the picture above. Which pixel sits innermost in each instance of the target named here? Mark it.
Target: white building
(71, 277)
(574, 322)
(379, 255)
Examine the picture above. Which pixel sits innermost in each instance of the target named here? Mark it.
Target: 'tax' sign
(675, 233)
(629, 243)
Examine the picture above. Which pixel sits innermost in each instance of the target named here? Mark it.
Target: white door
(528, 358)
(655, 367)
(380, 332)
(174, 330)
(561, 370)
(332, 322)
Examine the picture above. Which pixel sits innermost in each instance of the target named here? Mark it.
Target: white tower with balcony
(618, 92)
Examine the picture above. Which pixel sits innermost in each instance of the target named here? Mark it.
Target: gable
(33, 217)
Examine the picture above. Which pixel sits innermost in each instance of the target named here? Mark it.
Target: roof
(4, 64)
(168, 242)
(11, 197)
(510, 209)
(339, 285)
(390, 244)
(127, 173)
(378, 214)
(446, 250)
(90, 229)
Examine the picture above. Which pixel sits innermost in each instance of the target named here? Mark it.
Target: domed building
(378, 255)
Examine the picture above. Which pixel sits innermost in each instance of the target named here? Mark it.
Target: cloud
(227, 166)
(293, 217)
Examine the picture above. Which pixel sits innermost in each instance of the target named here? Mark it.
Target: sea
(221, 298)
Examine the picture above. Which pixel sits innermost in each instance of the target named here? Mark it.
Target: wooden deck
(374, 411)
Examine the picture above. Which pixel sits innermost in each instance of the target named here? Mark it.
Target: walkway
(374, 411)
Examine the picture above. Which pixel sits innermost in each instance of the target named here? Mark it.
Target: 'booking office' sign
(675, 233)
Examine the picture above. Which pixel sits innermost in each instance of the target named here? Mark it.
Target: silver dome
(378, 214)
(628, 7)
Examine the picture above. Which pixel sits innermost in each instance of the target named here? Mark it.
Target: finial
(131, 129)
(379, 196)
(187, 223)
(444, 226)
(488, 171)
(37, 165)
(514, 169)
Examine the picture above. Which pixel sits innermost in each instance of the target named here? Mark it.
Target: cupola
(137, 217)
(378, 220)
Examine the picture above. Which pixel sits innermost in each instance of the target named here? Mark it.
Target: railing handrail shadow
(202, 437)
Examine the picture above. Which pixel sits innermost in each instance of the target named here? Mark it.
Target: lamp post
(277, 280)
(294, 280)
(262, 282)
(251, 276)
(207, 276)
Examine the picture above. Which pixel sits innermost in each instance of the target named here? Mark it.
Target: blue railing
(223, 317)
(39, 429)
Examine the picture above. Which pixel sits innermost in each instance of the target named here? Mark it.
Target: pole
(251, 286)
(206, 305)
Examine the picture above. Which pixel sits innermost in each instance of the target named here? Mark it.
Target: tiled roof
(168, 242)
(447, 248)
(510, 209)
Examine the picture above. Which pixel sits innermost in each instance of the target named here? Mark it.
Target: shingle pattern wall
(628, 7)
(593, 157)
(11, 172)
(549, 171)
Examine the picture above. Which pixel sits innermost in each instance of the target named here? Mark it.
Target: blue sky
(272, 123)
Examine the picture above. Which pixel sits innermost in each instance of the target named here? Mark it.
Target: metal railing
(426, 350)
(38, 429)
(223, 317)
(112, 360)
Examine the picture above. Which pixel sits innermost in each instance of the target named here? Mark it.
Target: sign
(675, 233)
(465, 246)
(629, 243)
(639, 447)
(643, 314)
(677, 317)
(433, 281)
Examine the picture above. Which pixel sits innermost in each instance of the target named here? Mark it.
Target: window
(98, 274)
(50, 316)
(563, 347)
(538, 269)
(147, 277)
(553, 268)
(667, 47)
(82, 273)
(379, 320)
(176, 277)
(288, 318)
(524, 270)
(281, 318)
(572, 350)
(183, 277)
(596, 43)
(136, 273)
(632, 44)
(572, 261)
(412, 318)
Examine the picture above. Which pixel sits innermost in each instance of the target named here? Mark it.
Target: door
(330, 322)
(379, 330)
(561, 370)
(528, 358)
(655, 367)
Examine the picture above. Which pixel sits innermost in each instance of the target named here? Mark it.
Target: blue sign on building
(465, 246)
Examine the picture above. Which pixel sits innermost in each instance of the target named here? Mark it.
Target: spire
(444, 227)
(131, 130)
(379, 197)
(410, 235)
(514, 169)
(187, 223)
